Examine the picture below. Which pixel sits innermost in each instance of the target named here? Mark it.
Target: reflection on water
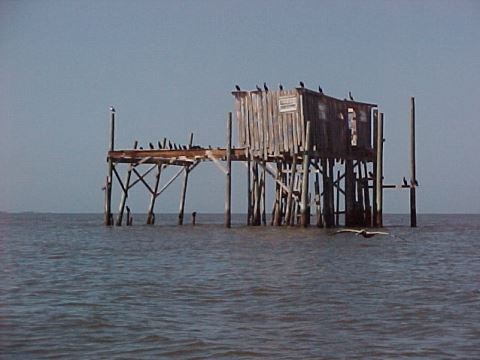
(70, 287)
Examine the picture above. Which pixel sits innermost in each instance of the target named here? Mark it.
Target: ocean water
(72, 288)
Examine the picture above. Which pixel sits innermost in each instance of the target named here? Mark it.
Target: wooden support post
(318, 202)
(278, 197)
(264, 195)
(379, 173)
(249, 189)
(228, 176)
(184, 187)
(337, 210)
(375, 150)
(304, 205)
(366, 196)
(349, 194)
(123, 200)
(413, 176)
(257, 195)
(108, 218)
(288, 210)
(327, 206)
(153, 197)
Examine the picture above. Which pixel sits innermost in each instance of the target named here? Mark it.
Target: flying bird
(350, 95)
(237, 87)
(258, 88)
(363, 232)
(265, 86)
(280, 86)
(302, 85)
(320, 90)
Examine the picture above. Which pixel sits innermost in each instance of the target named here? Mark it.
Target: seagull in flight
(363, 232)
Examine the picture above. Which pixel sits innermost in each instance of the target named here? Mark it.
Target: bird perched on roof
(237, 87)
(151, 146)
(350, 95)
(362, 232)
(169, 144)
(175, 146)
(280, 86)
(112, 109)
(265, 87)
(258, 88)
(159, 144)
(320, 90)
(405, 181)
(302, 85)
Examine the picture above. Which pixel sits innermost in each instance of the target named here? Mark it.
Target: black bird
(405, 181)
(141, 148)
(169, 145)
(265, 86)
(175, 146)
(320, 90)
(414, 182)
(371, 174)
(302, 85)
(237, 87)
(350, 95)
(151, 146)
(280, 86)
(184, 147)
(112, 109)
(159, 145)
(258, 88)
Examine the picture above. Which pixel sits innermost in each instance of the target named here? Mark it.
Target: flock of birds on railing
(280, 87)
(173, 146)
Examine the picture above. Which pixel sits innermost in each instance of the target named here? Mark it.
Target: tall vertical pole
(184, 187)
(304, 206)
(288, 211)
(374, 168)
(413, 176)
(379, 173)
(249, 189)
(228, 177)
(108, 219)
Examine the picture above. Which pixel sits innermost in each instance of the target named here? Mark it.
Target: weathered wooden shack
(324, 155)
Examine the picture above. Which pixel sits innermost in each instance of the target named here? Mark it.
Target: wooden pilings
(108, 218)
(126, 185)
(413, 178)
(184, 187)
(379, 173)
(304, 202)
(228, 175)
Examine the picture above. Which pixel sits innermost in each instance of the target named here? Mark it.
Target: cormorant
(159, 145)
(302, 85)
(280, 86)
(265, 86)
(320, 90)
(151, 146)
(405, 183)
(258, 88)
(350, 95)
(237, 87)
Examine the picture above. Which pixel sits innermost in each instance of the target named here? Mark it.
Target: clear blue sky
(169, 67)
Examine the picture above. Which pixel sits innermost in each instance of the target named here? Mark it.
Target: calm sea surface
(72, 288)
